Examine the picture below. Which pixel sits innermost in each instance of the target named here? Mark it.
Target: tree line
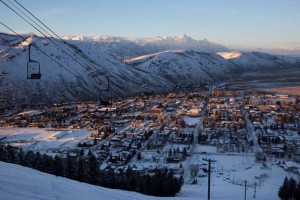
(161, 182)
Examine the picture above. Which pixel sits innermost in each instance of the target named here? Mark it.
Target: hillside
(71, 82)
(184, 67)
(75, 70)
(250, 61)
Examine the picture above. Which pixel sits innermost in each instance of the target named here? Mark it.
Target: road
(199, 125)
(251, 131)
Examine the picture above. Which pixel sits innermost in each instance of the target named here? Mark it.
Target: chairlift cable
(89, 62)
(39, 50)
(23, 38)
(49, 34)
(47, 38)
(42, 33)
(28, 17)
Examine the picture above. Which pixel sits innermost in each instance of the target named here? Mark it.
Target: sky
(233, 23)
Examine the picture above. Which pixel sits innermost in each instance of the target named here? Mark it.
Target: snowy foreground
(18, 182)
(228, 173)
(23, 183)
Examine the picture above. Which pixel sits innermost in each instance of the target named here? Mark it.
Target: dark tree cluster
(202, 138)
(290, 189)
(160, 183)
(86, 169)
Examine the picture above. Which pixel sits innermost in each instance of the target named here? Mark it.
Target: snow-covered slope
(249, 61)
(184, 67)
(71, 82)
(21, 183)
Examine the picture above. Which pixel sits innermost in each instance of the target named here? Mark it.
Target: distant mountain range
(129, 47)
(134, 65)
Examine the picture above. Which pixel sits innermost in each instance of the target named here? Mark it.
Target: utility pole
(254, 190)
(209, 167)
(245, 195)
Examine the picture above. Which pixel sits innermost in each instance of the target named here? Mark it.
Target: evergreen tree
(20, 157)
(58, 168)
(139, 156)
(11, 154)
(297, 192)
(47, 163)
(70, 167)
(80, 174)
(170, 152)
(3, 153)
(184, 152)
(40, 164)
(30, 159)
(93, 169)
(283, 192)
(81, 153)
(292, 188)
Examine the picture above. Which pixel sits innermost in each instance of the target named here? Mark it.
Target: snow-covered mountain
(249, 61)
(184, 67)
(76, 69)
(130, 47)
(64, 79)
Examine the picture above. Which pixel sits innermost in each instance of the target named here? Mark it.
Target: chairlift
(33, 67)
(103, 101)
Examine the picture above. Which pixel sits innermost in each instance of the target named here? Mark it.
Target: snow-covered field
(39, 139)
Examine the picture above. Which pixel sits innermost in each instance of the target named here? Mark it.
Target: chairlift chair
(104, 102)
(33, 70)
(33, 67)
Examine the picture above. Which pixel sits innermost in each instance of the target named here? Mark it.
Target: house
(291, 166)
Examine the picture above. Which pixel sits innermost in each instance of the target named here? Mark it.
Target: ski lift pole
(245, 193)
(108, 81)
(29, 51)
(29, 57)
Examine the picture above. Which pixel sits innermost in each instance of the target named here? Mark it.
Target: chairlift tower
(209, 171)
